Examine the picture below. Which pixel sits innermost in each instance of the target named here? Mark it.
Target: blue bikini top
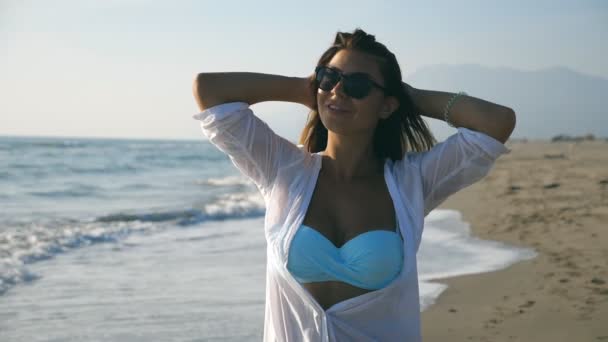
(370, 260)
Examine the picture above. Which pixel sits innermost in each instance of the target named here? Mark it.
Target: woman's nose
(339, 88)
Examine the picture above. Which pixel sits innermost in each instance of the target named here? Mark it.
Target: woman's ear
(390, 105)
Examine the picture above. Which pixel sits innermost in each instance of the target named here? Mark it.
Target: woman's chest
(341, 212)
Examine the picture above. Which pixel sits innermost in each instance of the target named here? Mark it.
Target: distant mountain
(548, 102)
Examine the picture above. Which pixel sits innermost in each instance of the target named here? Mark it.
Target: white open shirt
(286, 175)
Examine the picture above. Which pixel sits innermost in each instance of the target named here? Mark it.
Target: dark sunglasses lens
(355, 86)
(327, 79)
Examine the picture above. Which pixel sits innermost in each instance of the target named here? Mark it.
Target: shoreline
(552, 197)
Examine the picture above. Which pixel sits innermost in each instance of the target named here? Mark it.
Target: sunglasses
(356, 85)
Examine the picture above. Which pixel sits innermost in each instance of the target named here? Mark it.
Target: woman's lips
(337, 110)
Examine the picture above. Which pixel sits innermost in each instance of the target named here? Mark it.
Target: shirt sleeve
(461, 160)
(253, 147)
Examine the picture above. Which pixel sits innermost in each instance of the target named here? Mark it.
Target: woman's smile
(337, 110)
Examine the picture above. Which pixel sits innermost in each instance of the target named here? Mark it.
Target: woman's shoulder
(296, 160)
(409, 162)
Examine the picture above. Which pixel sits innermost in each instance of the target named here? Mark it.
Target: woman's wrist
(429, 103)
(306, 92)
(413, 95)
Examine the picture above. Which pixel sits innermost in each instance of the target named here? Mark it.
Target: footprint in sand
(528, 304)
(551, 185)
(514, 188)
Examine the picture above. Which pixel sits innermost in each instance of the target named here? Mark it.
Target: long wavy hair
(404, 130)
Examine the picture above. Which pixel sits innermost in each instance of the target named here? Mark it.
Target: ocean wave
(28, 242)
(227, 206)
(236, 205)
(24, 143)
(75, 190)
(22, 166)
(225, 181)
(186, 215)
(178, 159)
(136, 186)
(61, 168)
(60, 144)
(103, 169)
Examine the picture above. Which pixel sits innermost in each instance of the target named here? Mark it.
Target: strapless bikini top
(370, 260)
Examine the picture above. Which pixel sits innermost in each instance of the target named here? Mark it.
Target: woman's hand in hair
(411, 93)
(309, 91)
(408, 89)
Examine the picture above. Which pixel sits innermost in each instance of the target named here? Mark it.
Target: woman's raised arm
(473, 113)
(226, 119)
(466, 156)
(215, 88)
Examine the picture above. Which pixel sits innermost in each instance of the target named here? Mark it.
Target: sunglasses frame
(342, 76)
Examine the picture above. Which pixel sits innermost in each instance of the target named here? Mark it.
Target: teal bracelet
(448, 106)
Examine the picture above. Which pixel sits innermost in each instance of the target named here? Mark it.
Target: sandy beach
(553, 197)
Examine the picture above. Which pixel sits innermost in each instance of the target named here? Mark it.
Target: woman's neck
(346, 160)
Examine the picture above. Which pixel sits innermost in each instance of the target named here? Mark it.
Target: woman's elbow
(508, 121)
(196, 91)
(200, 90)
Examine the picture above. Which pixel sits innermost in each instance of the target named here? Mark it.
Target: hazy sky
(124, 68)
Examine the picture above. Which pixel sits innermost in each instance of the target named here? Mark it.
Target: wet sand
(552, 197)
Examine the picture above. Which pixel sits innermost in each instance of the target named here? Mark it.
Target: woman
(345, 207)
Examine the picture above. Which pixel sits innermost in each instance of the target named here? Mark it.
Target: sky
(124, 68)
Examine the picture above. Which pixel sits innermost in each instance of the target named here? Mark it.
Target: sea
(158, 240)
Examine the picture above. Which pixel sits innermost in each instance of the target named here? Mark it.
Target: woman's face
(356, 115)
